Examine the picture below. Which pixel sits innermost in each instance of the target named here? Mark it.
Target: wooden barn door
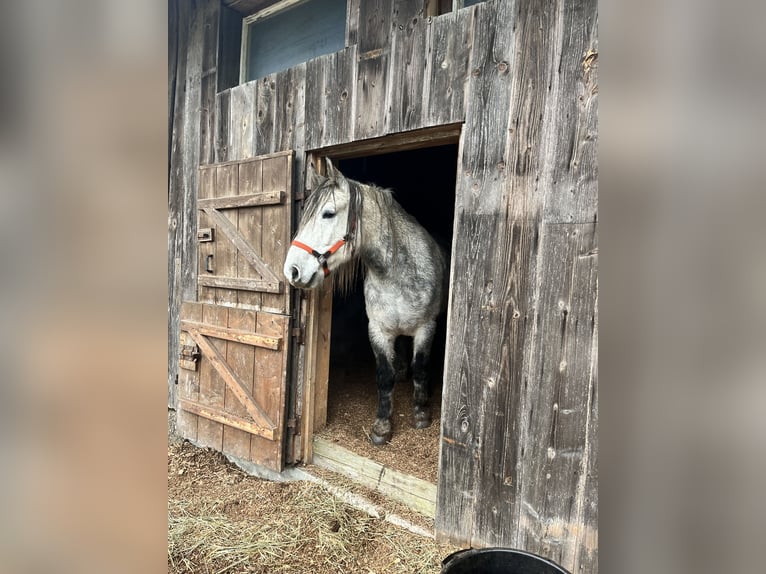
(235, 339)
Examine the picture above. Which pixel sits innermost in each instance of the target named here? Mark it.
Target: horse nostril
(295, 272)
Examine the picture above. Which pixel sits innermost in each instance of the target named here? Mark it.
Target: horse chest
(395, 309)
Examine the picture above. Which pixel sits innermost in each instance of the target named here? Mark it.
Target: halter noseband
(323, 257)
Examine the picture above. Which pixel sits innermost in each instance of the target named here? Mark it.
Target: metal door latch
(188, 357)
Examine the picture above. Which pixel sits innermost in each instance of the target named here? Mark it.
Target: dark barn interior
(423, 181)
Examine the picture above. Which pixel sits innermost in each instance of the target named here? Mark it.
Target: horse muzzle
(297, 280)
(302, 271)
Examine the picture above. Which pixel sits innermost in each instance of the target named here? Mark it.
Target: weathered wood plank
(241, 358)
(246, 337)
(225, 261)
(211, 385)
(372, 72)
(479, 396)
(222, 120)
(243, 121)
(569, 172)
(480, 185)
(275, 239)
(271, 372)
(374, 25)
(241, 283)
(409, 47)
(450, 46)
(226, 419)
(211, 15)
(287, 82)
(371, 87)
(322, 373)
(533, 69)
(314, 101)
(248, 200)
(265, 115)
(558, 439)
(177, 33)
(331, 97)
(250, 224)
(309, 320)
(413, 492)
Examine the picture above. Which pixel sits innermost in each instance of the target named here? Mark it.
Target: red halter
(322, 257)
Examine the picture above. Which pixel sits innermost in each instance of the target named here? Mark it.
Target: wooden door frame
(318, 304)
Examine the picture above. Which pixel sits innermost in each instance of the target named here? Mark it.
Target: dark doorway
(423, 181)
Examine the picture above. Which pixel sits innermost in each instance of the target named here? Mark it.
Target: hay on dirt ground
(220, 520)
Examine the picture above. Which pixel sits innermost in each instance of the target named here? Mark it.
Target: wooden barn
(482, 117)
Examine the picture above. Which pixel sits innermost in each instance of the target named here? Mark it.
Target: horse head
(325, 237)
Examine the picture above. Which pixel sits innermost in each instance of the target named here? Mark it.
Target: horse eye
(328, 215)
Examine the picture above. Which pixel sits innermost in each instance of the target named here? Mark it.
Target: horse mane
(344, 279)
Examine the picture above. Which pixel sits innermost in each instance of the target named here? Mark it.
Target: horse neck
(378, 245)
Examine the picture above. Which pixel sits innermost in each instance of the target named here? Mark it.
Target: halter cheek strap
(322, 257)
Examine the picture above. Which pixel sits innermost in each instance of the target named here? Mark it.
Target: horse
(346, 225)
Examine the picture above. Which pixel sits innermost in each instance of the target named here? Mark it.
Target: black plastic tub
(498, 561)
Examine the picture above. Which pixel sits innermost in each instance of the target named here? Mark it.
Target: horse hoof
(381, 432)
(422, 419)
(378, 440)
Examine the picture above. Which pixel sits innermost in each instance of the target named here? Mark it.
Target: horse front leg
(420, 358)
(385, 374)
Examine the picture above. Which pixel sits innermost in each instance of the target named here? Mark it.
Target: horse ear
(332, 172)
(316, 179)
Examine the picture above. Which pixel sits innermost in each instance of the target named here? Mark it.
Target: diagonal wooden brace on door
(263, 424)
(229, 230)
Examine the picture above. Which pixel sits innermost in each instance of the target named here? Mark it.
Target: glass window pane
(295, 35)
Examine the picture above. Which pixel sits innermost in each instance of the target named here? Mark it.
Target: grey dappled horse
(405, 277)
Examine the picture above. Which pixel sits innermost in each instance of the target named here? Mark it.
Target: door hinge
(300, 195)
(294, 424)
(298, 333)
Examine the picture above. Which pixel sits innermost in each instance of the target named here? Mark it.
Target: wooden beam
(227, 227)
(240, 283)
(250, 200)
(417, 494)
(246, 7)
(238, 162)
(415, 139)
(236, 335)
(274, 8)
(226, 418)
(230, 378)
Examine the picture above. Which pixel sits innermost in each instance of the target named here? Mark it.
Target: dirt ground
(221, 520)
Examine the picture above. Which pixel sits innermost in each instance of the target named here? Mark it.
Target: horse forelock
(316, 199)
